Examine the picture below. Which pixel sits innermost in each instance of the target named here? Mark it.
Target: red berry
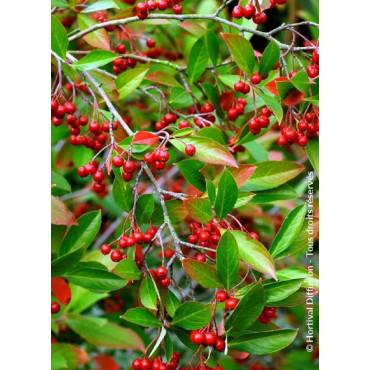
(162, 5)
(183, 124)
(142, 7)
(94, 126)
(282, 141)
(263, 121)
(82, 171)
(190, 149)
(170, 118)
(116, 255)
(90, 168)
(161, 272)
(98, 176)
(256, 78)
(239, 86)
(165, 282)
(266, 112)
(231, 303)
(70, 107)
(315, 56)
(105, 249)
(260, 18)
(254, 123)
(136, 364)
(219, 344)
(152, 5)
(237, 12)
(201, 257)
(129, 166)
(312, 71)
(221, 296)
(209, 338)
(232, 114)
(149, 158)
(146, 364)
(197, 337)
(60, 111)
(117, 161)
(302, 125)
(55, 307)
(177, 9)
(254, 235)
(121, 48)
(56, 121)
(54, 105)
(249, 11)
(150, 43)
(301, 140)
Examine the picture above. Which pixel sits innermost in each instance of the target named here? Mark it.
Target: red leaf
(295, 97)
(242, 174)
(271, 86)
(61, 290)
(60, 214)
(145, 138)
(103, 362)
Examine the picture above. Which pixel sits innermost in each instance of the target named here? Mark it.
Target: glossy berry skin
(201, 258)
(152, 4)
(165, 282)
(209, 338)
(190, 149)
(183, 124)
(70, 107)
(260, 18)
(150, 43)
(177, 9)
(146, 364)
(161, 272)
(117, 161)
(82, 171)
(231, 303)
(105, 249)
(116, 256)
(237, 12)
(302, 125)
(256, 78)
(136, 364)
(263, 121)
(219, 344)
(197, 337)
(162, 5)
(221, 296)
(98, 176)
(121, 48)
(129, 166)
(301, 140)
(312, 71)
(254, 123)
(142, 7)
(90, 168)
(249, 11)
(55, 307)
(239, 86)
(266, 112)
(282, 141)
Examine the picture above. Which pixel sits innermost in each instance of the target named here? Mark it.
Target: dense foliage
(184, 203)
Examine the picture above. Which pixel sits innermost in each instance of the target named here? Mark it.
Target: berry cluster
(156, 364)
(207, 339)
(268, 314)
(207, 235)
(161, 274)
(113, 304)
(237, 109)
(97, 175)
(257, 123)
(313, 69)
(230, 302)
(308, 128)
(206, 117)
(254, 12)
(143, 8)
(128, 167)
(167, 120)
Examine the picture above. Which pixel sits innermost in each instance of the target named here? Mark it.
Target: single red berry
(282, 141)
(183, 124)
(161, 272)
(309, 117)
(90, 168)
(254, 123)
(190, 149)
(266, 112)
(142, 7)
(152, 4)
(260, 18)
(82, 171)
(165, 282)
(159, 165)
(239, 86)
(263, 121)
(221, 296)
(301, 140)
(246, 89)
(312, 71)
(146, 364)
(232, 114)
(231, 303)
(149, 157)
(71, 119)
(290, 134)
(302, 125)
(94, 126)
(70, 107)
(55, 307)
(98, 176)
(136, 364)
(256, 78)
(162, 155)
(201, 257)
(219, 344)
(56, 121)
(197, 337)
(99, 187)
(105, 249)
(315, 56)
(116, 255)
(249, 11)
(170, 118)
(237, 12)
(129, 166)
(117, 161)
(209, 338)
(150, 43)
(192, 238)
(162, 5)
(177, 9)
(54, 105)
(121, 48)
(254, 235)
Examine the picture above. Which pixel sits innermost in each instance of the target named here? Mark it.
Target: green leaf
(147, 293)
(257, 151)
(299, 273)
(269, 58)
(242, 52)
(163, 78)
(227, 261)
(82, 298)
(204, 274)
(214, 97)
(211, 191)
(141, 316)
(192, 315)
(58, 362)
(60, 183)
(97, 39)
(207, 150)
(254, 253)
(263, 343)
(283, 192)
(271, 174)
(104, 333)
(95, 59)
(280, 290)
(176, 211)
(212, 45)
(190, 169)
(122, 194)
(197, 61)
(312, 150)
(244, 197)
(67, 354)
(60, 4)
(144, 208)
(227, 194)
(82, 234)
(306, 235)
(172, 303)
(180, 98)
(128, 81)
(168, 347)
(100, 5)
(59, 38)
(95, 279)
(183, 132)
(301, 81)
(199, 209)
(248, 309)
(288, 230)
(127, 269)
(272, 104)
(64, 263)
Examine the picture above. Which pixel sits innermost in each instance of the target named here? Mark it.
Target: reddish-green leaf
(199, 209)
(99, 38)
(61, 290)
(163, 78)
(65, 353)
(60, 214)
(202, 273)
